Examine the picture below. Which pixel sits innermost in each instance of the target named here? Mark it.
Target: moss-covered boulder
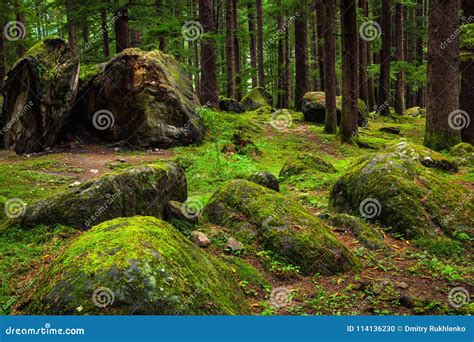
(138, 265)
(141, 190)
(143, 98)
(280, 225)
(265, 179)
(256, 98)
(367, 235)
(404, 188)
(305, 163)
(463, 154)
(230, 105)
(314, 108)
(39, 91)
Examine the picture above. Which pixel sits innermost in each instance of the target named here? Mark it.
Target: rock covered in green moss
(256, 98)
(141, 190)
(463, 153)
(265, 179)
(144, 98)
(39, 90)
(366, 234)
(230, 105)
(305, 163)
(138, 265)
(403, 188)
(281, 225)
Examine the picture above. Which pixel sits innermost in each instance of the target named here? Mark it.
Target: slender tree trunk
(71, 28)
(261, 70)
(159, 12)
(383, 99)
(238, 78)
(320, 24)
(287, 92)
(208, 56)
(314, 54)
(20, 17)
(105, 33)
(443, 76)
(252, 44)
(85, 31)
(409, 57)
(230, 50)
(420, 101)
(363, 46)
(330, 65)
(2, 55)
(467, 82)
(121, 30)
(400, 84)
(301, 59)
(281, 60)
(350, 80)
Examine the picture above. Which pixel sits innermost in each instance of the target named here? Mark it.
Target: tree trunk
(252, 44)
(159, 12)
(330, 65)
(281, 61)
(208, 56)
(71, 28)
(320, 24)
(467, 82)
(301, 60)
(348, 127)
(314, 54)
(287, 93)
(443, 83)
(400, 84)
(420, 101)
(383, 100)
(261, 71)
(121, 30)
(363, 46)
(20, 17)
(105, 33)
(238, 78)
(229, 18)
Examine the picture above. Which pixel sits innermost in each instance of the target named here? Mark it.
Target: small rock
(94, 171)
(233, 246)
(406, 301)
(121, 160)
(265, 179)
(200, 239)
(76, 183)
(403, 285)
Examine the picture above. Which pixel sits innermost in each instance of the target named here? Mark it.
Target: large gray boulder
(142, 98)
(38, 94)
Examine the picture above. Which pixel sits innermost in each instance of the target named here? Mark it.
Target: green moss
(256, 98)
(148, 265)
(282, 226)
(246, 272)
(303, 164)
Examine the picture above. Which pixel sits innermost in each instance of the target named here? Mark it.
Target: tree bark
(261, 71)
(320, 24)
(121, 30)
(329, 29)
(281, 61)
(467, 82)
(349, 120)
(20, 17)
(252, 43)
(363, 46)
(238, 78)
(443, 83)
(159, 12)
(105, 33)
(314, 54)
(208, 56)
(301, 59)
(400, 84)
(71, 28)
(383, 100)
(288, 88)
(229, 18)
(420, 101)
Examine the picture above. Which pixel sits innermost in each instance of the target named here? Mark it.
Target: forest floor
(402, 280)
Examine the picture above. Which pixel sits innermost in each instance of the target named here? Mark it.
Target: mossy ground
(430, 271)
